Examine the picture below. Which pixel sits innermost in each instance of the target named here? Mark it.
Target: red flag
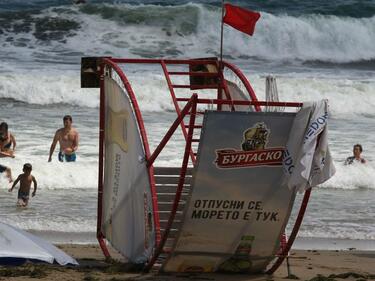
(240, 19)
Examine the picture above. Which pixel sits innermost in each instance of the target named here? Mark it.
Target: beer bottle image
(240, 262)
(244, 247)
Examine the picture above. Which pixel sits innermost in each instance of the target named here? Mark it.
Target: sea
(315, 49)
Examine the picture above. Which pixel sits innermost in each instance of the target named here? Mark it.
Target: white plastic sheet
(19, 244)
(308, 161)
(127, 203)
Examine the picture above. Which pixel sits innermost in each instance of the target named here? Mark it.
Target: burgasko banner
(237, 208)
(240, 19)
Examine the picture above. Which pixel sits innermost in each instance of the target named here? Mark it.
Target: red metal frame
(190, 107)
(172, 129)
(240, 102)
(99, 233)
(244, 80)
(192, 104)
(174, 99)
(223, 87)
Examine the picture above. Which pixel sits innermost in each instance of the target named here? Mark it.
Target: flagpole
(221, 36)
(220, 89)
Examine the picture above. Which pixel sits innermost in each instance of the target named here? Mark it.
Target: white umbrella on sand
(17, 246)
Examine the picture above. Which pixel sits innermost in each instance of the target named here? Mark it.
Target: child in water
(25, 180)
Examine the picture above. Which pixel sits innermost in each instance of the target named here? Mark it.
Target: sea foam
(189, 30)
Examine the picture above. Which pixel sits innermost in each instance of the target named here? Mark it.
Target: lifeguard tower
(224, 208)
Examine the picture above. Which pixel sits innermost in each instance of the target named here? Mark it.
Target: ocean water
(315, 50)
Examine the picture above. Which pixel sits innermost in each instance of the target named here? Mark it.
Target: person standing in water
(7, 140)
(8, 172)
(68, 139)
(25, 180)
(357, 150)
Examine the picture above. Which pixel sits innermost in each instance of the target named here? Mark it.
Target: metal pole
(288, 265)
(99, 233)
(221, 67)
(221, 35)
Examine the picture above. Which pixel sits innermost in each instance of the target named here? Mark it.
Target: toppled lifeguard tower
(226, 205)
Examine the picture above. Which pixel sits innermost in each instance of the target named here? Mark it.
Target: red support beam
(214, 86)
(224, 87)
(170, 132)
(204, 74)
(176, 106)
(244, 80)
(99, 234)
(241, 102)
(166, 61)
(180, 186)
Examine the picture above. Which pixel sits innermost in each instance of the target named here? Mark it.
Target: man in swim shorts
(357, 150)
(68, 139)
(7, 171)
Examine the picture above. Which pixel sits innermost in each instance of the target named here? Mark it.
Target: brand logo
(254, 151)
(316, 127)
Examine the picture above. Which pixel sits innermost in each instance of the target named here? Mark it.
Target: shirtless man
(68, 139)
(25, 180)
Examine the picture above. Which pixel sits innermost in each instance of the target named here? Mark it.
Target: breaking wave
(44, 88)
(352, 177)
(64, 33)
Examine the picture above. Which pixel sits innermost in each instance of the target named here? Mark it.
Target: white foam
(313, 37)
(355, 176)
(69, 225)
(196, 32)
(37, 87)
(152, 93)
(345, 231)
(282, 37)
(50, 176)
(347, 98)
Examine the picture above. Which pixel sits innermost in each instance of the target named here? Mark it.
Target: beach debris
(90, 278)
(28, 270)
(292, 276)
(352, 275)
(321, 278)
(348, 275)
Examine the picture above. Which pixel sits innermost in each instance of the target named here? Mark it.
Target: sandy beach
(317, 265)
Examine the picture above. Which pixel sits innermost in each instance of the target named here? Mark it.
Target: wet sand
(315, 265)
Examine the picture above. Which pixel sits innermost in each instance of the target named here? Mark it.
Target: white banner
(127, 207)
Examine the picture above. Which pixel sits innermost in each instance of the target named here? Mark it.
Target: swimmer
(357, 150)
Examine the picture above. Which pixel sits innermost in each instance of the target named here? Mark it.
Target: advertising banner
(127, 207)
(238, 206)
